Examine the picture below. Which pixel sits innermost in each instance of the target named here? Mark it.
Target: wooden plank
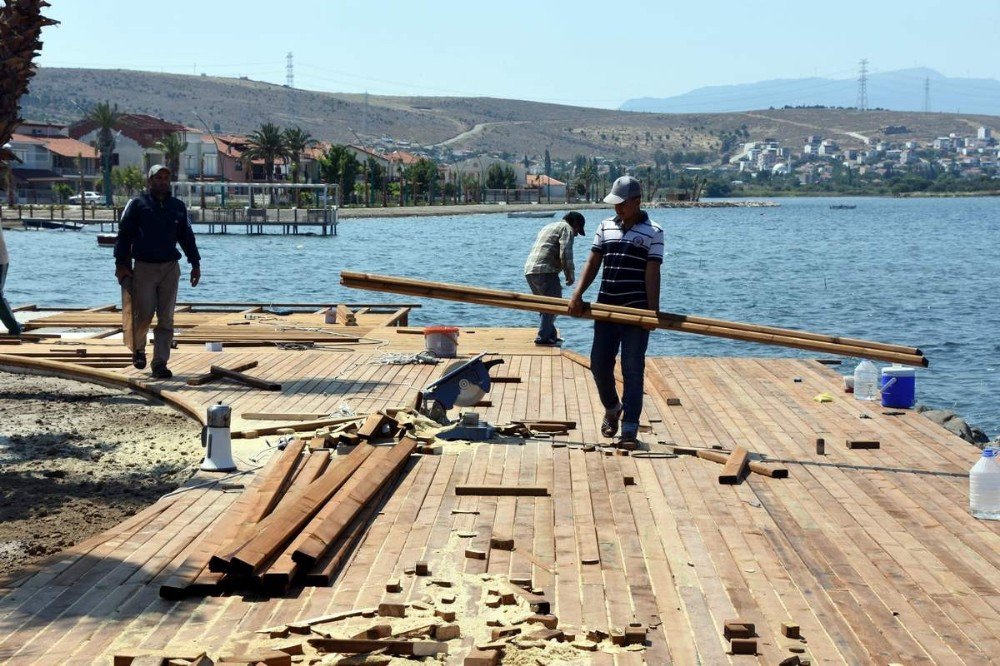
(326, 569)
(569, 602)
(502, 491)
(303, 426)
(314, 541)
(283, 416)
(736, 466)
(273, 532)
(388, 646)
(261, 500)
(245, 379)
(211, 375)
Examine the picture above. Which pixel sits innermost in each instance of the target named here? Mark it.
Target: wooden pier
(859, 556)
(249, 221)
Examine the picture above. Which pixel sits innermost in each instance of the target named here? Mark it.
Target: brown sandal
(609, 425)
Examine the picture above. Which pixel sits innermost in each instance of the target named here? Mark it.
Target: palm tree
(585, 176)
(267, 143)
(297, 141)
(106, 118)
(21, 26)
(172, 146)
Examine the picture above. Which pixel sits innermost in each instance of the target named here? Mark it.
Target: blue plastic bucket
(899, 386)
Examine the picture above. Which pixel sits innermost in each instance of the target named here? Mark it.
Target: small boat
(843, 207)
(531, 213)
(107, 240)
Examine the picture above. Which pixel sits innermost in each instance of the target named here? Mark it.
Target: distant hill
(901, 90)
(480, 124)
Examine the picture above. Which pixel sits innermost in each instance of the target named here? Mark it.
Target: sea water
(916, 272)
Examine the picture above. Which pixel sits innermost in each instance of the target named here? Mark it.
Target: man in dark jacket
(152, 226)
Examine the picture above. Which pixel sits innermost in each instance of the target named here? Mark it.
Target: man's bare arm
(587, 275)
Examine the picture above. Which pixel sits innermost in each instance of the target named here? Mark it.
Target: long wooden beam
(379, 469)
(637, 317)
(275, 531)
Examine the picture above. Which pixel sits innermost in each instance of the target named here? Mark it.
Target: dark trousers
(632, 341)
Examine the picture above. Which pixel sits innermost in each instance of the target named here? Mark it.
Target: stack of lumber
(299, 520)
(818, 342)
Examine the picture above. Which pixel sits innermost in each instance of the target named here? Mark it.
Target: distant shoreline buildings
(54, 156)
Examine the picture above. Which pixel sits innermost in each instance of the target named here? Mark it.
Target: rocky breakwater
(954, 423)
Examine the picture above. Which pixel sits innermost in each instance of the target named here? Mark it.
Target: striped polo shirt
(625, 255)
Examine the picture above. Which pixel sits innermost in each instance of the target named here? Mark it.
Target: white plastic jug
(866, 381)
(984, 486)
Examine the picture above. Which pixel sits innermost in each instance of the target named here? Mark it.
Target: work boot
(139, 359)
(162, 372)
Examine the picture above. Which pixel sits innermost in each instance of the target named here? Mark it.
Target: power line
(289, 84)
(863, 86)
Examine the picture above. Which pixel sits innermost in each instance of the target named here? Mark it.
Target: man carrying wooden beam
(630, 246)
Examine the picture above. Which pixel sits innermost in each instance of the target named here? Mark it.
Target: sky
(582, 53)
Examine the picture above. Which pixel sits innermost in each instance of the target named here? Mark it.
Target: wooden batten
(211, 375)
(736, 466)
(253, 382)
(647, 318)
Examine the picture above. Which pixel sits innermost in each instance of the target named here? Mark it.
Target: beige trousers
(154, 291)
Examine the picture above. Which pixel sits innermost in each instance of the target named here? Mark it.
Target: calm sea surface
(919, 272)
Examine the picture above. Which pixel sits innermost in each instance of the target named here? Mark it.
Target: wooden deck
(870, 552)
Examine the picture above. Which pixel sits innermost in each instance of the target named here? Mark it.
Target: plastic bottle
(984, 486)
(866, 381)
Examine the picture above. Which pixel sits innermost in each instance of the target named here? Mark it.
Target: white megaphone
(217, 442)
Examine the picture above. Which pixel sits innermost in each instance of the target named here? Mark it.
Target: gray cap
(157, 168)
(625, 188)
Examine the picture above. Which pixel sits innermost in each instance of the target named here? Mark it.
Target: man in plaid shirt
(552, 254)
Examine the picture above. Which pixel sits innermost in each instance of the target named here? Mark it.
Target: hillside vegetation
(478, 124)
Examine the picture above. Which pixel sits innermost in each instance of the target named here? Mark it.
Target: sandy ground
(76, 459)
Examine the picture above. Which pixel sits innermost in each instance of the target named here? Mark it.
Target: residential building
(200, 160)
(828, 148)
(47, 158)
(550, 187)
(136, 136)
(943, 143)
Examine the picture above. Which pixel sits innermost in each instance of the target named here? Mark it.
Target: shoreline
(490, 209)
